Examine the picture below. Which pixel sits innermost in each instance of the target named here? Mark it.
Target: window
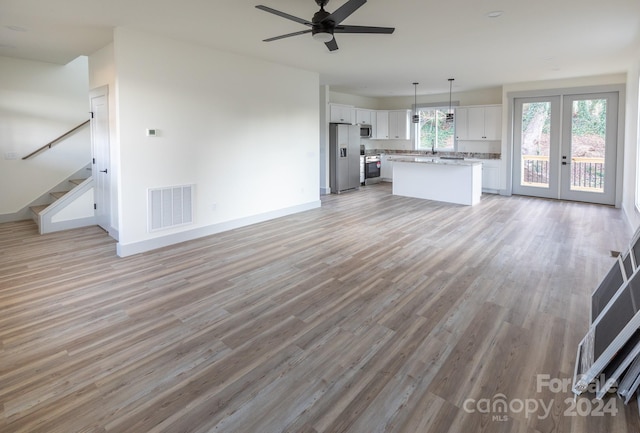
(434, 131)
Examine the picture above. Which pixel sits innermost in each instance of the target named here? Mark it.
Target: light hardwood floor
(374, 313)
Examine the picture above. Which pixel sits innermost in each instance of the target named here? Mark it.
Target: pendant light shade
(449, 117)
(416, 116)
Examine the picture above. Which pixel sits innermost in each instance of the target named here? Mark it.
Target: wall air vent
(170, 207)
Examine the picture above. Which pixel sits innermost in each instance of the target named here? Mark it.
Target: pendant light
(449, 118)
(416, 116)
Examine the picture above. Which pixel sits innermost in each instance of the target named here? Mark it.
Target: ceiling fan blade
(344, 11)
(332, 44)
(283, 15)
(288, 35)
(364, 29)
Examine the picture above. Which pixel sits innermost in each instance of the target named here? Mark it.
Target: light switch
(152, 132)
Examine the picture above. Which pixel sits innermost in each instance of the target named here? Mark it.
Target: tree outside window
(434, 131)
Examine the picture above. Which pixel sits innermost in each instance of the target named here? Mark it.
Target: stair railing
(56, 141)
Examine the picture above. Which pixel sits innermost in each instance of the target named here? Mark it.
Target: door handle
(103, 171)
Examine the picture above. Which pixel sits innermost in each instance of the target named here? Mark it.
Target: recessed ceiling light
(17, 28)
(494, 14)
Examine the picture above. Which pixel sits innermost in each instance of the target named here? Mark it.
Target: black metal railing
(587, 174)
(535, 170)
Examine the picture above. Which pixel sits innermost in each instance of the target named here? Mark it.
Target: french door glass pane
(535, 142)
(588, 133)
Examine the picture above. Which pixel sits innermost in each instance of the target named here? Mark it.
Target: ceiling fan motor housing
(320, 25)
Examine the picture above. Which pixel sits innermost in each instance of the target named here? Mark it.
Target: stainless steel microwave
(365, 131)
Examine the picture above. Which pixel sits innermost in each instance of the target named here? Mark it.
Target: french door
(565, 147)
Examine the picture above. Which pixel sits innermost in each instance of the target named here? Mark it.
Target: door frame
(507, 148)
(104, 179)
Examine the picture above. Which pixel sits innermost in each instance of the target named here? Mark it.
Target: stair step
(77, 181)
(37, 209)
(58, 194)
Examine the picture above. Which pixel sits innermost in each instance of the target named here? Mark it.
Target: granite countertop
(434, 160)
(466, 155)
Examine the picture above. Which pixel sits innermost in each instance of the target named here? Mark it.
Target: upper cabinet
(460, 121)
(399, 125)
(339, 113)
(363, 116)
(381, 131)
(481, 123)
(386, 124)
(493, 122)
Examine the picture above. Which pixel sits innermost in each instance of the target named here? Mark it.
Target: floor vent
(170, 207)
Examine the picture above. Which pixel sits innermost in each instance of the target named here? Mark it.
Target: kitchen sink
(452, 157)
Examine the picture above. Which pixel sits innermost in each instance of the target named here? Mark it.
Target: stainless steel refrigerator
(344, 157)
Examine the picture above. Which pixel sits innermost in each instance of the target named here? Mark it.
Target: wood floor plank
(373, 313)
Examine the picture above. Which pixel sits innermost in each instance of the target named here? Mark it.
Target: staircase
(67, 209)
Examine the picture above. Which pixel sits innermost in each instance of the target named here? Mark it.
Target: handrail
(53, 142)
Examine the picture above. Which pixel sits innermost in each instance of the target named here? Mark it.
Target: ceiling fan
(324, 24)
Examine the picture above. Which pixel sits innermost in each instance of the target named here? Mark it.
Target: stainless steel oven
(371, 169)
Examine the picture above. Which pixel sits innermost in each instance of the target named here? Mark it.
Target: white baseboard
(124, 250)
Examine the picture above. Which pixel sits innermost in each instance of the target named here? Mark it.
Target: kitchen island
(432, 178)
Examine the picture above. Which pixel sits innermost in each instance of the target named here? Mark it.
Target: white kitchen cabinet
(493, 122)
(491, 175)
(339, 113)
(481, 123)
(399, 125)
(363, 116)
(386, 168)
(381, 131)
(460, 122)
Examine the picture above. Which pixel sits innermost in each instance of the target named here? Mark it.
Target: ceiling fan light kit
(324, 24)
(322, 37)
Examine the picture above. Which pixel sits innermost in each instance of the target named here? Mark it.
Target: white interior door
(101, 168)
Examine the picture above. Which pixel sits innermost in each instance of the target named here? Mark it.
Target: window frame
(442, 106)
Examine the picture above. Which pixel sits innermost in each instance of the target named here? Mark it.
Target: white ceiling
(433, 41)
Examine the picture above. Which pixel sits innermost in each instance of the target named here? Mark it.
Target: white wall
(244, 131)
(631, 192)
(355, 100)
(487, 96)
(324, 140)
(39, 102)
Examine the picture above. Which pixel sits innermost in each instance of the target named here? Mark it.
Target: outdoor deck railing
(586, 173)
